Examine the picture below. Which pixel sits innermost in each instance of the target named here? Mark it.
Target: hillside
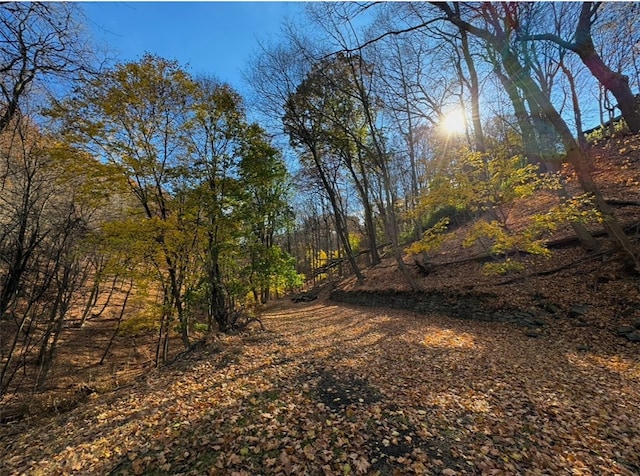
(531, 373)
(608, 295)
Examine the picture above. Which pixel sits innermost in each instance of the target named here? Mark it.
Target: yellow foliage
(147, 319)
(493, 185)
(432, 238)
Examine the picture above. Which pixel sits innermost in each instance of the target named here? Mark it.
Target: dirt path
(334, 389)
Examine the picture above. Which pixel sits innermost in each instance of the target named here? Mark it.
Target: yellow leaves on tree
(490, 188)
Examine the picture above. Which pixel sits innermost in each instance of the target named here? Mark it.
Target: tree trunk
(381, 163)
(115, 331)
(618, 84)
(52, 335)
(161, 331)
(615, 82)
(411, 139)
(218, 310)
(577, 113)
(91, 301)
(475, 94)
(7, 373)
(341, 227)
(576, 155)
(363, 191)
(177, 302)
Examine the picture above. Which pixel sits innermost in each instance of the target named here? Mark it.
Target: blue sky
(216, 38)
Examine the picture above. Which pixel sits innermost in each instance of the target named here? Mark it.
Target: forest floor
(336, 389)
(331, 388)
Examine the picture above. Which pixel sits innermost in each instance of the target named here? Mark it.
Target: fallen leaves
(339, 390)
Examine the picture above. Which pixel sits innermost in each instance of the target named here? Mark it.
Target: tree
(214, 143)
(490, 185)
(305, 121)
(52, 200)
(192, 164)
(135, 117)
(410, 104)
(264, 212)
(497, 34)
(339, 28)
(41, 43)
(583, 45)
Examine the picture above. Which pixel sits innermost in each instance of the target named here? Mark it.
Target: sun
(454, 122)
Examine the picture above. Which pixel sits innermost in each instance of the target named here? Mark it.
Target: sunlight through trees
(140, 191)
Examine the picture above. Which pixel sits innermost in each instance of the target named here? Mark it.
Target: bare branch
(550, 37)
(385, 35)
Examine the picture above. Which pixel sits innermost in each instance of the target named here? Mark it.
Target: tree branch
(382, 36)
(550, 37)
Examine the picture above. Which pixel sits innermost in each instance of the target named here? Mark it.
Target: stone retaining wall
(458, 305)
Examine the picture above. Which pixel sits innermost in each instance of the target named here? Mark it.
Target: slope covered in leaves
(332, 389)
(570, 276)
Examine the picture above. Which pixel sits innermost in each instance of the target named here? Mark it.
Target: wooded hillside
(425, 156)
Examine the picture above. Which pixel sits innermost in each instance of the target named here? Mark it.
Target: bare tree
(40, 43)
(291, 90)
(305, 122)
(49, 202)
(583, 45)
(496, 32)
(340, 29)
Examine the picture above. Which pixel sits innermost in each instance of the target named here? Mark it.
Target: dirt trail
(335, 389)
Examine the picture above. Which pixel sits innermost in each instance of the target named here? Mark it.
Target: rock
(633, 336)
(551, 308)
(580, 323)
(628, 312)
(636, 323)
(539, 321)
(533, 332)
(624, 330)
(306, 297)
(578, 310)
(583, 347)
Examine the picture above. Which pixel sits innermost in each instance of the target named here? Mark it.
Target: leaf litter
(338, 390)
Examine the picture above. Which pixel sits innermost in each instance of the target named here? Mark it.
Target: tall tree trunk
(576, 155)
(218, 310)
(575, 102)
(381, 163)
(532, 148)
(615, 82)
(362, 188)
(341, 225)
(474, 90)
(529, 141)
(7, 372)
(161, 331)
(91, 301)
(54, 328)
(410, 137)
(179, 306)
(392, 229)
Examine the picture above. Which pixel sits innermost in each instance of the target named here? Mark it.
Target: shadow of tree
(380, 391)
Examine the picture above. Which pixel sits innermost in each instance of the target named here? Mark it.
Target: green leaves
(207, 190)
